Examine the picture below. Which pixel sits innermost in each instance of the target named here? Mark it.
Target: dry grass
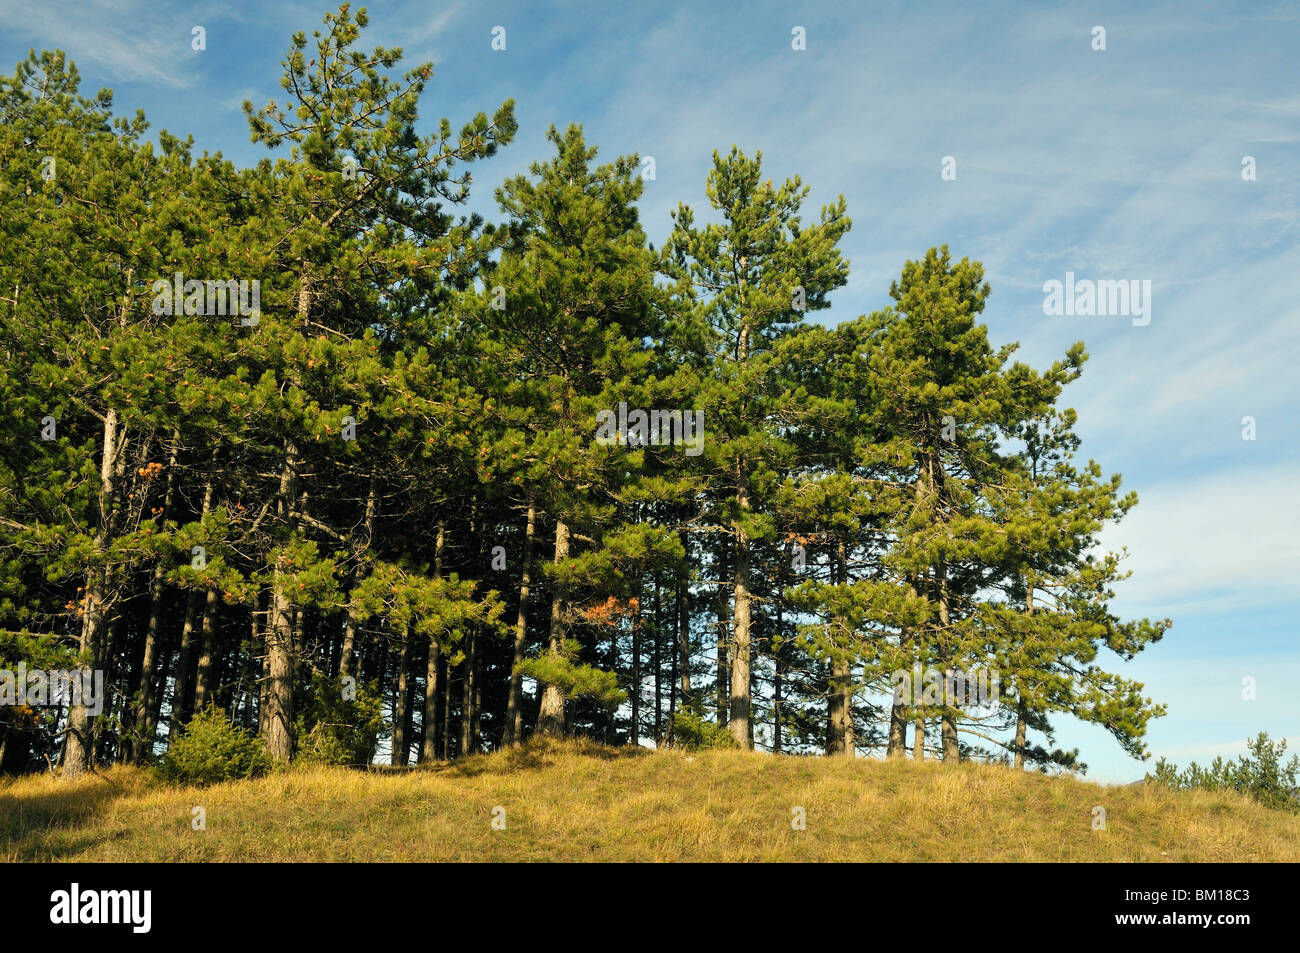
(579, 801)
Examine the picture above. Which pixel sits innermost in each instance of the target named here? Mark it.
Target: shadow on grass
(42, 824)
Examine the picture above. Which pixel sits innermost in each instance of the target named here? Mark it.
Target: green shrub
(1261, 775)
(332, 729)
(574, 678)
(691, 731)
(210, 749)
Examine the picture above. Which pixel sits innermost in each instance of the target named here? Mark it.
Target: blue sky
(1122, 163)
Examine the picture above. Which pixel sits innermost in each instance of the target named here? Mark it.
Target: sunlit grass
(581, 801)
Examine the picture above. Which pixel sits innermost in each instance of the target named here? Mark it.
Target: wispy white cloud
(1228, 750)
(1212, 542)
(130, 40)
(437, 22)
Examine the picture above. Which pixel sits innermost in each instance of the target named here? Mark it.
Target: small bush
(691, 731)
(332, 729)
(1261, 775)
(575, 678)
(210, 750)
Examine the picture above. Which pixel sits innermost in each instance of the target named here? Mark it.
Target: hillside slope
(580, 801)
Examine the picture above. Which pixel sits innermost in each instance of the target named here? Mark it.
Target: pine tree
(832, 509)
(355, 209)
(944, 393)
(99, 205)
(568, 308)
(1055, 616)
(745, 283)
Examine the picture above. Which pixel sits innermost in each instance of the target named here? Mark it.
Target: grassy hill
(580, 801)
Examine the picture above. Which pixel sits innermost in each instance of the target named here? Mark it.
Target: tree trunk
(277, 725)
(1021, 710)
(446, 707)
(473, 690)
(684, 641)
(634, 732)
(948, 728)
(476, 723)
(203, 687)
(1020, 734)
(279, 687)
(665, 736)
(102, 730)
(951, 752)
(182, 683)
(840, 712)
(740, 690)
(78, 746)
(514, 727)
(840, 739)
(741, 730)
(657, 662)
(142, 728)
(349, 648)
(145, 723)
(353, 624)
(162, 667)
(78, 743)
(723, 639)
(550, 719)
(778, 655)
(611, 665)
(402, 706)
(264, 669)
(252, 694)
(897, 732)
(429, 748)
(918, 739)
(468, 737)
